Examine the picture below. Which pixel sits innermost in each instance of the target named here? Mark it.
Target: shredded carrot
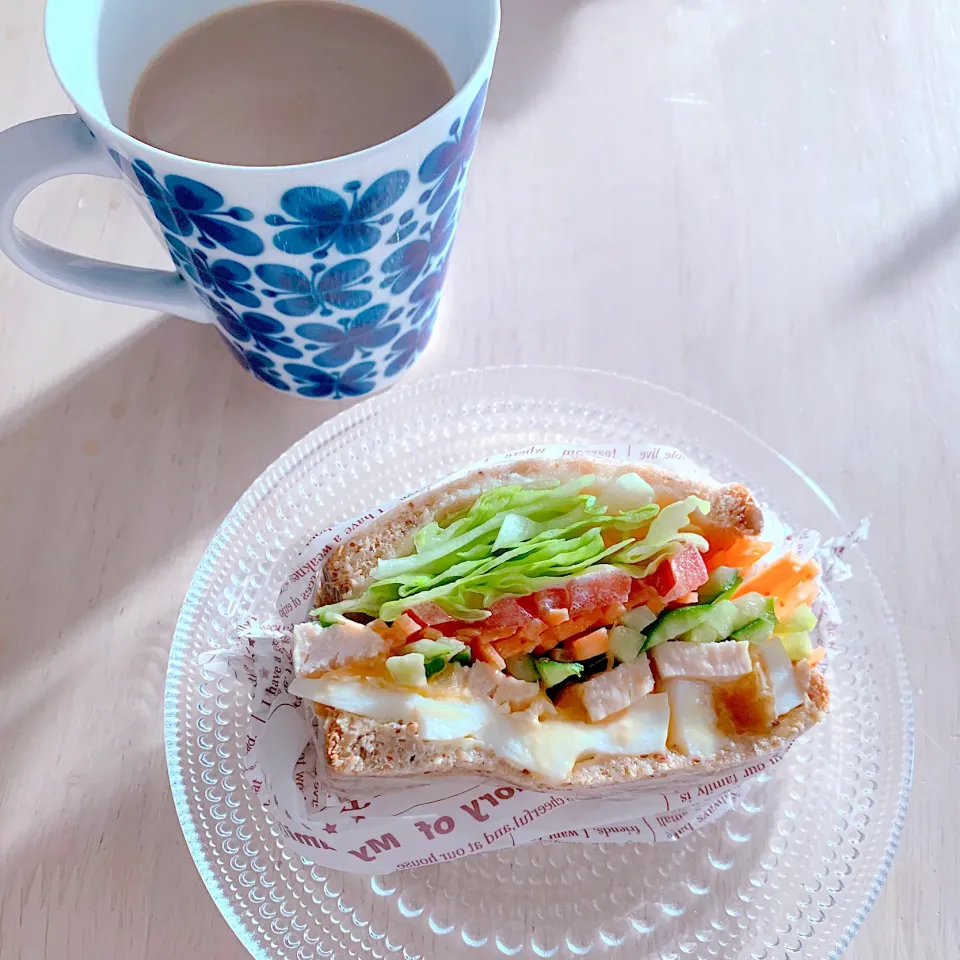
(686, 599)
(572, 627)
(406, 625)
(780, 578)
(613, 613)
(805, 592)
(655, 605)
(515, 645)
(553, 618)
(391, 633)
(548, 640)
(713, 551)
(744, 553)
(532, 629)
(485, 651)
(432, 633)
(589, 645)
(818, 654)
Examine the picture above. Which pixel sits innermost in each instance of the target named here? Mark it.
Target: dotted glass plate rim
(792, 871)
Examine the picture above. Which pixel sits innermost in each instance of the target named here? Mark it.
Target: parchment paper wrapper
(363, 825)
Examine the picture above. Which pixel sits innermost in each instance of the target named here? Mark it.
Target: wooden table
(757, 203)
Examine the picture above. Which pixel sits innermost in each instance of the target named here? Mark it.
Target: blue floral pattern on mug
(325, 289)
(321, 219)
(183, 206)
(260, 365)
(224, 278)
(318, 383)
(361, 334)
(266, 332)
(402, 268)
(446, 165)
(405, 350)
(426, 296)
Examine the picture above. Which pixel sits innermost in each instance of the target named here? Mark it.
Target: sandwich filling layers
(555, 622)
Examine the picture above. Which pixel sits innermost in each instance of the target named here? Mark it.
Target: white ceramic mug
(323, 278)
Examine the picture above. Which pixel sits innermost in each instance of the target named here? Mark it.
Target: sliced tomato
(508, 617)
(433, 615)
(680, 574)
(640, 594)
(529, 603)
(686, 600)
(556, 598)
(594, 591)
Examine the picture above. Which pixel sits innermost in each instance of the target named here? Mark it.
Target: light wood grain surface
(756, 202)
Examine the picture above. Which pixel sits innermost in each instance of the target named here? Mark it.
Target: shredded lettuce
(665, 530)
(514, 529)
(516, 540)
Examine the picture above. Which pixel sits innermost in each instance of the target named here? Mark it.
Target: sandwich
(561, 624)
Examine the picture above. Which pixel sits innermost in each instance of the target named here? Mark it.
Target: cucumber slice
(751, 606)
(436, 653)
(639, 618)
(408, 670)
(434, 648)
(464, 657)
(552, 673)
(705, 632)
(673, 623)
(723, 615)
(433, 665)
(756, 631)
(626, 642)
(797, 645)
(523, 667)
(716, 625)
(802, 620)
(722, 582)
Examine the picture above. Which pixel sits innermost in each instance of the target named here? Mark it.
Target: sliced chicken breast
(317, 650)
(615, 690)
(702, 661)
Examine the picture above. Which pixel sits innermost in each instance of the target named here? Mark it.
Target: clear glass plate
(792, 871)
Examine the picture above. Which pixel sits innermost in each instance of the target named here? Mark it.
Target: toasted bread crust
(734, 512)
(358, 746)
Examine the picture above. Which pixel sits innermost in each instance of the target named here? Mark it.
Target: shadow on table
(133, 462)
(924, 242)
(531, 35)
(111, 486)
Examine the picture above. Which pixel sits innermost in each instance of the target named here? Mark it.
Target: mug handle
(40, 150)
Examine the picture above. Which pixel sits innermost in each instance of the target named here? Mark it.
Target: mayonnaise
(549, 746)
